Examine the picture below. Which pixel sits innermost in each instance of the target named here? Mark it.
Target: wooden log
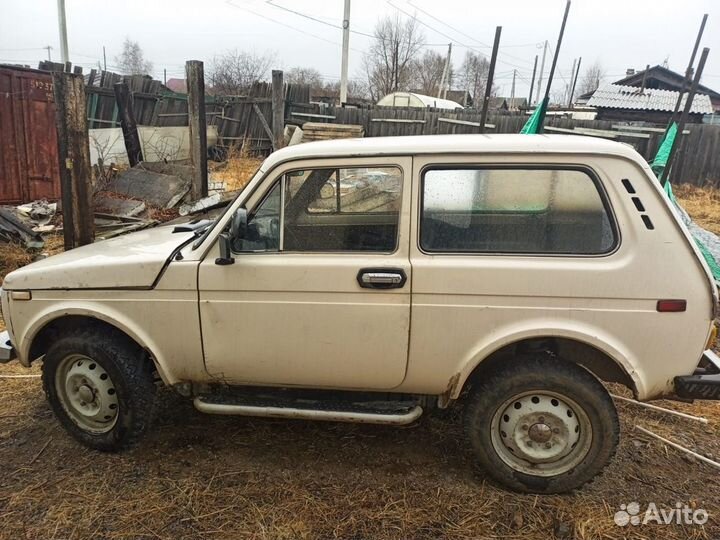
(264, 123)
(278, 109)
(127, 123)
(74, 159)
(195, 75)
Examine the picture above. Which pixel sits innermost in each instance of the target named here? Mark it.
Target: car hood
(131, 260)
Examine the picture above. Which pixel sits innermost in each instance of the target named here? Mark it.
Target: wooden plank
(608, 132)
(74, 159)
(310, 115)
(644, 128)
(128, 123)
(195, 75)
(397, 120)
(264, 123)
(464, 122)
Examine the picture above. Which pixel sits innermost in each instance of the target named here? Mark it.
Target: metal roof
(616, 96)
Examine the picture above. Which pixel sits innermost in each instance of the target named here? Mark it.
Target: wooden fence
(247, 120)
(698, 161)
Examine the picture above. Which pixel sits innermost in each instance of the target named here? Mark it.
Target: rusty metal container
(29, 167)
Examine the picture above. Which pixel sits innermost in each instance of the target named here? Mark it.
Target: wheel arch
(40, 334)
(605, 361)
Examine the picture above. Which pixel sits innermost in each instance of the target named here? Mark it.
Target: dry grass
(198, 476)
(703, 205)
(237, 170)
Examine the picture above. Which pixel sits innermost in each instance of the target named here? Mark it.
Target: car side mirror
(238, 224)
(238, 227)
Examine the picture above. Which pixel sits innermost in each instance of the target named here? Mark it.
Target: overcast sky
(619, 33)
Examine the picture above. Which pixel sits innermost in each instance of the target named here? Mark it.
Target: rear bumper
(704, 383)
(7, 351)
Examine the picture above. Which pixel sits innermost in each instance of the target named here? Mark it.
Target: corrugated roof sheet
(615, 96)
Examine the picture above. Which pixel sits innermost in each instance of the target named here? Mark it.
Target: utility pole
(512, 88)
(345, 51)
(165, 76)
(491, 74)
(104, 60)
(568, 86)
(62, 25)
(445, 73)
(542, 68)
(575, 78)
(49, 48)
(532, 81)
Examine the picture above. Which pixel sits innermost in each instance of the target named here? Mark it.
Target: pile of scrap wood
(320, 131)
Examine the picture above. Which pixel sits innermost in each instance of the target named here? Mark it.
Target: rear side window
(514, 210)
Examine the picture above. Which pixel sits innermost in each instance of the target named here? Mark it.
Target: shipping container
(29, 167)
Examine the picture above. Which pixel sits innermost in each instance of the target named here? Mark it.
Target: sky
(620, 34)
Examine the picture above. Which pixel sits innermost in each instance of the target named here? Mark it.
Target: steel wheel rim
(541, 433)
(86, 393)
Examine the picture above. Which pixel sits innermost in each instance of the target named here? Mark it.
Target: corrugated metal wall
(28, 140)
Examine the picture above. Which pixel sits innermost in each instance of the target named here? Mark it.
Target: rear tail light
(671, 306)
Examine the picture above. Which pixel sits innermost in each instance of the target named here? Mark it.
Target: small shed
(618, 102)
(418, 101)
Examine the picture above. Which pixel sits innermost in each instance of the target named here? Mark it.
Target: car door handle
(382, 278)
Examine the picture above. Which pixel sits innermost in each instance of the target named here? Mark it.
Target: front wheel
(542, 425)
(100, 387)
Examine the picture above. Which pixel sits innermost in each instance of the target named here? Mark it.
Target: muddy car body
(369, 280)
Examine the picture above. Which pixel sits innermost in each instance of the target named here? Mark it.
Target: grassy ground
(199, 476)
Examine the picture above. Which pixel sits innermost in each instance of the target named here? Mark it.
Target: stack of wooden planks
(321, 131)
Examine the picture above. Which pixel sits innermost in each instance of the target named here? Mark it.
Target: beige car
(374, 280)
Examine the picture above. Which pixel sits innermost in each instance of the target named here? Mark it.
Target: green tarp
(532, 126)
(707, 242)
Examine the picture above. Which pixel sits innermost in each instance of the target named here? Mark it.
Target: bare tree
(388, 62)
(473, 76)
(234, 72)
(357, 90)
(309, 76)
(131, 60)
(590, 80)
(427, 73)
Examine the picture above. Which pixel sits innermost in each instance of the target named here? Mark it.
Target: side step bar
(702, 384)
(390, 418)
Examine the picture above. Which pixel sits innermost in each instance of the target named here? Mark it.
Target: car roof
(452, 144)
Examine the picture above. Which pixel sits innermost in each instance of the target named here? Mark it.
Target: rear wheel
(542, 425)
(100, 387)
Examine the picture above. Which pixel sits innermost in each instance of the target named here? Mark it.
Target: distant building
(178, 86)
(419, 101)
(505, 104)
(630, 103)
(658, 78)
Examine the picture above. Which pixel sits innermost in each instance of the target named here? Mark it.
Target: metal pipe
(684, 115)
(491, 74)
(345, 51)
(62, 26)
(546, 100)
(532, 81)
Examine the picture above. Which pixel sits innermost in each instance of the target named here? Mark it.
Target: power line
(306, 16)
(229, 2)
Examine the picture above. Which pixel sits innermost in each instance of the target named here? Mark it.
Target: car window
(263, 229)
(342, 209)
(328, 209)
(514, 210)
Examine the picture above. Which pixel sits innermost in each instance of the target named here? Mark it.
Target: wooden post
(546, 100)
(684, 115)
(491, 73)
(74, 158)
(532, 82)
(195, 75)
(127, 122)
(278, 109)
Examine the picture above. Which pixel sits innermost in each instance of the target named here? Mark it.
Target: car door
(319, 294)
